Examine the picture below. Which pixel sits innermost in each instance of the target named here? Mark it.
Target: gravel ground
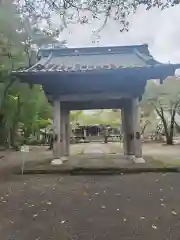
(47, 207)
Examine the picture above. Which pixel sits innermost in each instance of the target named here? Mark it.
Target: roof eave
(160, 71)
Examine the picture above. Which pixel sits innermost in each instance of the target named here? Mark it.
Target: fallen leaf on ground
(63, 221)
(164, 174)
(103, 207)
(118, 194)
(174, 213)
(154, 226)
(44, 210)
(11, 222)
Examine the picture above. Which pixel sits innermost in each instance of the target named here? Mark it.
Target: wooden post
(124, 132)
(56, 132)
(63, 133)
(128, 128)
(67, 133)
(137, 133)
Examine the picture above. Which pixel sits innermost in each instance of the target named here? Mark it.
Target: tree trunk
(171, 130)
(3, 94)
(169, 133)
(27, 132)
(13, 137)
(9, 138)
(2, 130)
(144, 127)
(169, 140)
(13, 131)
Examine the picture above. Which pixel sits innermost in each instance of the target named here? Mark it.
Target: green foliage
(104, 117)
(22, 107)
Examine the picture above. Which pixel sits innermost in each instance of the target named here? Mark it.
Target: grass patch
(154, 162)
(174, 162)
(163, 163)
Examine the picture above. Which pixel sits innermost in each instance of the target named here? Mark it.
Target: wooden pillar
(67, 133)
(56, 132)
(124, 132)
(131, 127)
(137, 133)
(128, 128)
(63, 133)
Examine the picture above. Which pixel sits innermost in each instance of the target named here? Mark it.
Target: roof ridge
(91, 50)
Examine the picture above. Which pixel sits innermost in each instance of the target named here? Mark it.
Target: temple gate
(96, 78)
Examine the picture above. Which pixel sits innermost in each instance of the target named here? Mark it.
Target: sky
(159, 29)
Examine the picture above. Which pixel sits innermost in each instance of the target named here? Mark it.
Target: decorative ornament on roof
(39, 67)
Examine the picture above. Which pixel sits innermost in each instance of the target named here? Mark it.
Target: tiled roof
(88, 59)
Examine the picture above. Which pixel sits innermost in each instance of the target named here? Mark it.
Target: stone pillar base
(56, 162)
(139, 160)
(59, 161)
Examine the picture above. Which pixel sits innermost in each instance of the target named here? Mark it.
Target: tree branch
(120, 9)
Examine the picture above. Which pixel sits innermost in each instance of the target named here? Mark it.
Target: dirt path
(127, 207)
